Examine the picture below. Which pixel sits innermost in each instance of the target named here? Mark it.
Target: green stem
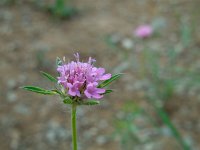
(73, 120)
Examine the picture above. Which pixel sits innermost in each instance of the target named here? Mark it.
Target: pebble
(101, 140)
(11, 83)
(5, 15)
(22, 109)
(11, 96)
(56, 133)
(166, 131)
(22, 78)
(15, 138)
(127, 43)
(88, 134)
(103, 124)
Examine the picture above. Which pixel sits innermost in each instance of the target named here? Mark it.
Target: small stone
(51, 136)
(11, 96)
(103, 124)
(22, 78)
(90, 133)
(166, 131)
(56, 133)
(22, 109)
(127, 43)
(101, 140)
(5, 15)
(11, 83)
(15, 137)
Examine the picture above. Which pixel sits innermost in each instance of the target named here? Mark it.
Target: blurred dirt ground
(30, 41)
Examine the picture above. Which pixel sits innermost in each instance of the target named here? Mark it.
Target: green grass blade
(165, 118)
(50, 77)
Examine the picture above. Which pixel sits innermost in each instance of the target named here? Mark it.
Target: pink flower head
(143, 31)
(81, 79)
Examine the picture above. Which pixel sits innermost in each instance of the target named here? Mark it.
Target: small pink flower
(93, 92)
(81, 79)
(143, 31)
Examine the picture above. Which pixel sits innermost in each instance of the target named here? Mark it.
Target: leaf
(59, 92)
(91, 102)
(39, 90)
(67, 101)
(48, 76)
(166, 119)
(58, 61)
(108, 91)
(107, 82)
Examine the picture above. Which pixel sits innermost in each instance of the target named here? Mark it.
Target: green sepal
(90, 102)
(39, 90)
(58, 61)
(48, 76)
(67, 101)
(107, 82)
(107, 92)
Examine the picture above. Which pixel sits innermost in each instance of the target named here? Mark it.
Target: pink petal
(97, 96)
(88, 95)
(105, 77)
(72, 93)
(101, 71)
(100, 91)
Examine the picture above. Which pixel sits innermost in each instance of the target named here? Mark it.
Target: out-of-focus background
(156, 43)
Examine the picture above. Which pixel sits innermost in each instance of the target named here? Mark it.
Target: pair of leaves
(41, 90)
(68, 100)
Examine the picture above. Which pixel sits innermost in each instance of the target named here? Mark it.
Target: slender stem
(73, 120)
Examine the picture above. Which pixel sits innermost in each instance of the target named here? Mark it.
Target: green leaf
(91, 102)
(48, 76)
(67, 101)
(59, 92)
(58, 61)
(108, 91)
(39, 90)
(107, 82)
(166, 119)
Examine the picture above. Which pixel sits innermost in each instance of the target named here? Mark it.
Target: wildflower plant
(143, 31)
(78, 83)
(163, 72)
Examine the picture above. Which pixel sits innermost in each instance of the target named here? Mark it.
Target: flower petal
(105, 77)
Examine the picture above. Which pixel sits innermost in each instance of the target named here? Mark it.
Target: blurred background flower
(143, 31)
